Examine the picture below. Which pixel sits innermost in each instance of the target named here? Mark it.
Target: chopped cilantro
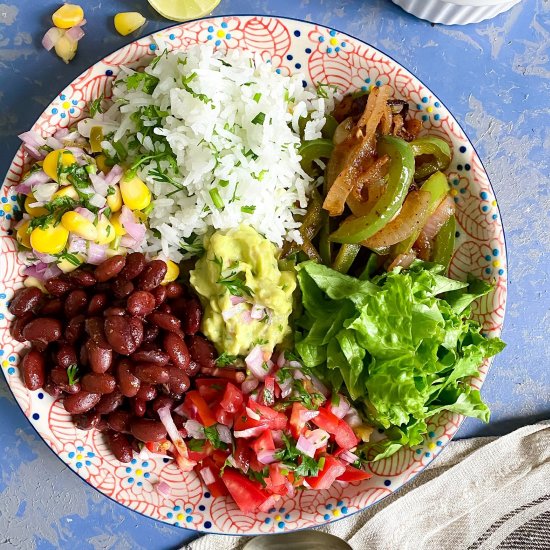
(248, 209)
(213, 436)
(147, 81)
(225, 359)
(259, 118)
(95, 107)
(72, 374)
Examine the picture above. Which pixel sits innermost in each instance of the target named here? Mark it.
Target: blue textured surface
(495, 79)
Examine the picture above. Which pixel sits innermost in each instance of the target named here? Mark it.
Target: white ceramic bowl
(455, 12)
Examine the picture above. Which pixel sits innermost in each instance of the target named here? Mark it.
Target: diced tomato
(331, 471)
(205, 416)
(268, 417)
(353, 474)
(219, 456)
(200, 454)
(263, 443)
(232, 398)
(211, 388)
(275, 483)
(297, 421)
(158, 447)
(217, 488)
(327, 421)
(345, 437)
(223, 417)
(244, 422)
(248, 495)
(242, 455)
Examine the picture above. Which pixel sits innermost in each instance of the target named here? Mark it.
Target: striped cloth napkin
(480, 494)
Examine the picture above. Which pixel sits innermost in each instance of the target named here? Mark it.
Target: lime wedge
(183, 10)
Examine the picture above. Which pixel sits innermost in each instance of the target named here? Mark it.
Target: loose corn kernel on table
(493, 76)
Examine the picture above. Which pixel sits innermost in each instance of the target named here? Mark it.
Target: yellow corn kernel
(117, 224)
(120, 250)
(100, 163)
(114, 201)
(135, 194)
(23, 237)
(49, 240)
(79, 225)
(65, 48)
(33, 282)
(171, 273)
(105, 231)
(141, 216)
(67, 16)
(128, 22)
(66, 266)
(34, 211)
(56, 158)
(67, 191)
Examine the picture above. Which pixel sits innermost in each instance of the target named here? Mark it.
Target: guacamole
(247, 298)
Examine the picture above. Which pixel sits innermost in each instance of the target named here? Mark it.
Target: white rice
(209, 128)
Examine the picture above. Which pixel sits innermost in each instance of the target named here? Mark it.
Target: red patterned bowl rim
(481, 247)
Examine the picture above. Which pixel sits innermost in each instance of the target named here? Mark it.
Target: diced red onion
(74, 33)
(353, 419)
(168, 422)
(34, 152)
(225, 434)
(249, 384)
(257, 312)
(133, 227)
(129, 242)
(77, 152)
(281, 360)
(246, 318)
(194, 429)
(45, 191)
(299, 375)
(53, 143)
(179, 411)
(308, 415)
(236, 300)
(319, 386)
(315, 440)
(97, 200)
(207, 476)
(77, 244)
(51, 37)
(99, 184)
(290, 488)
(36, 178)
(436, 221)
(90, 216)
(403, 260)
(61, 133)
(295, 364)
(36, 270)
(304, 445)
(349, 457)
(252, 414)
(32, 138)
(250, 432)
(287, 389)
(51, 271)
(85, 125)
(97, 253)
(229, 313)
(46, 258)
(342, 408)
(277, 437)
(254, 361)
(163, 488)
(114, 175)
(267, 456)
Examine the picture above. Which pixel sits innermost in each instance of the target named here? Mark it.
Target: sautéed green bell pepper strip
(444, 243)
(345, 257)
(438, 153)
(400, 175)
(314, 149)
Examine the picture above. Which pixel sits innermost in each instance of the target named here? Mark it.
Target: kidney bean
(136, 329)
(162, 401)
(52, 307)
(81, 402)
(154, 374)
(140, 303)
(192, 368)
(147, 392)
(19, 323)
(60, 378)
(135, 263)
(97, 303)
(177, 350)
(139, 406)
(119, 420)
(155, 356)
(110, 268)
(65, 356)
(98, 383)
(84, 358)
(25, 300)
(58, 286)
(95, 327)
(43, 329)
(165, 321)
(109, 402)
(191, 320)
(122, 288)
(179, 421)
(119, 335)
(83, 278)
(52, 389)
(146, 429)
(87, 421)
(114, 312)
(164, 308)
(120, 446)
(179, 381)
(74, 329)
(100, 357)
(174, 290)
(150, 333)
(159, 294)
(202, 351)
(75, 303)
(128, 383)
(34, 370)
(152, 275)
